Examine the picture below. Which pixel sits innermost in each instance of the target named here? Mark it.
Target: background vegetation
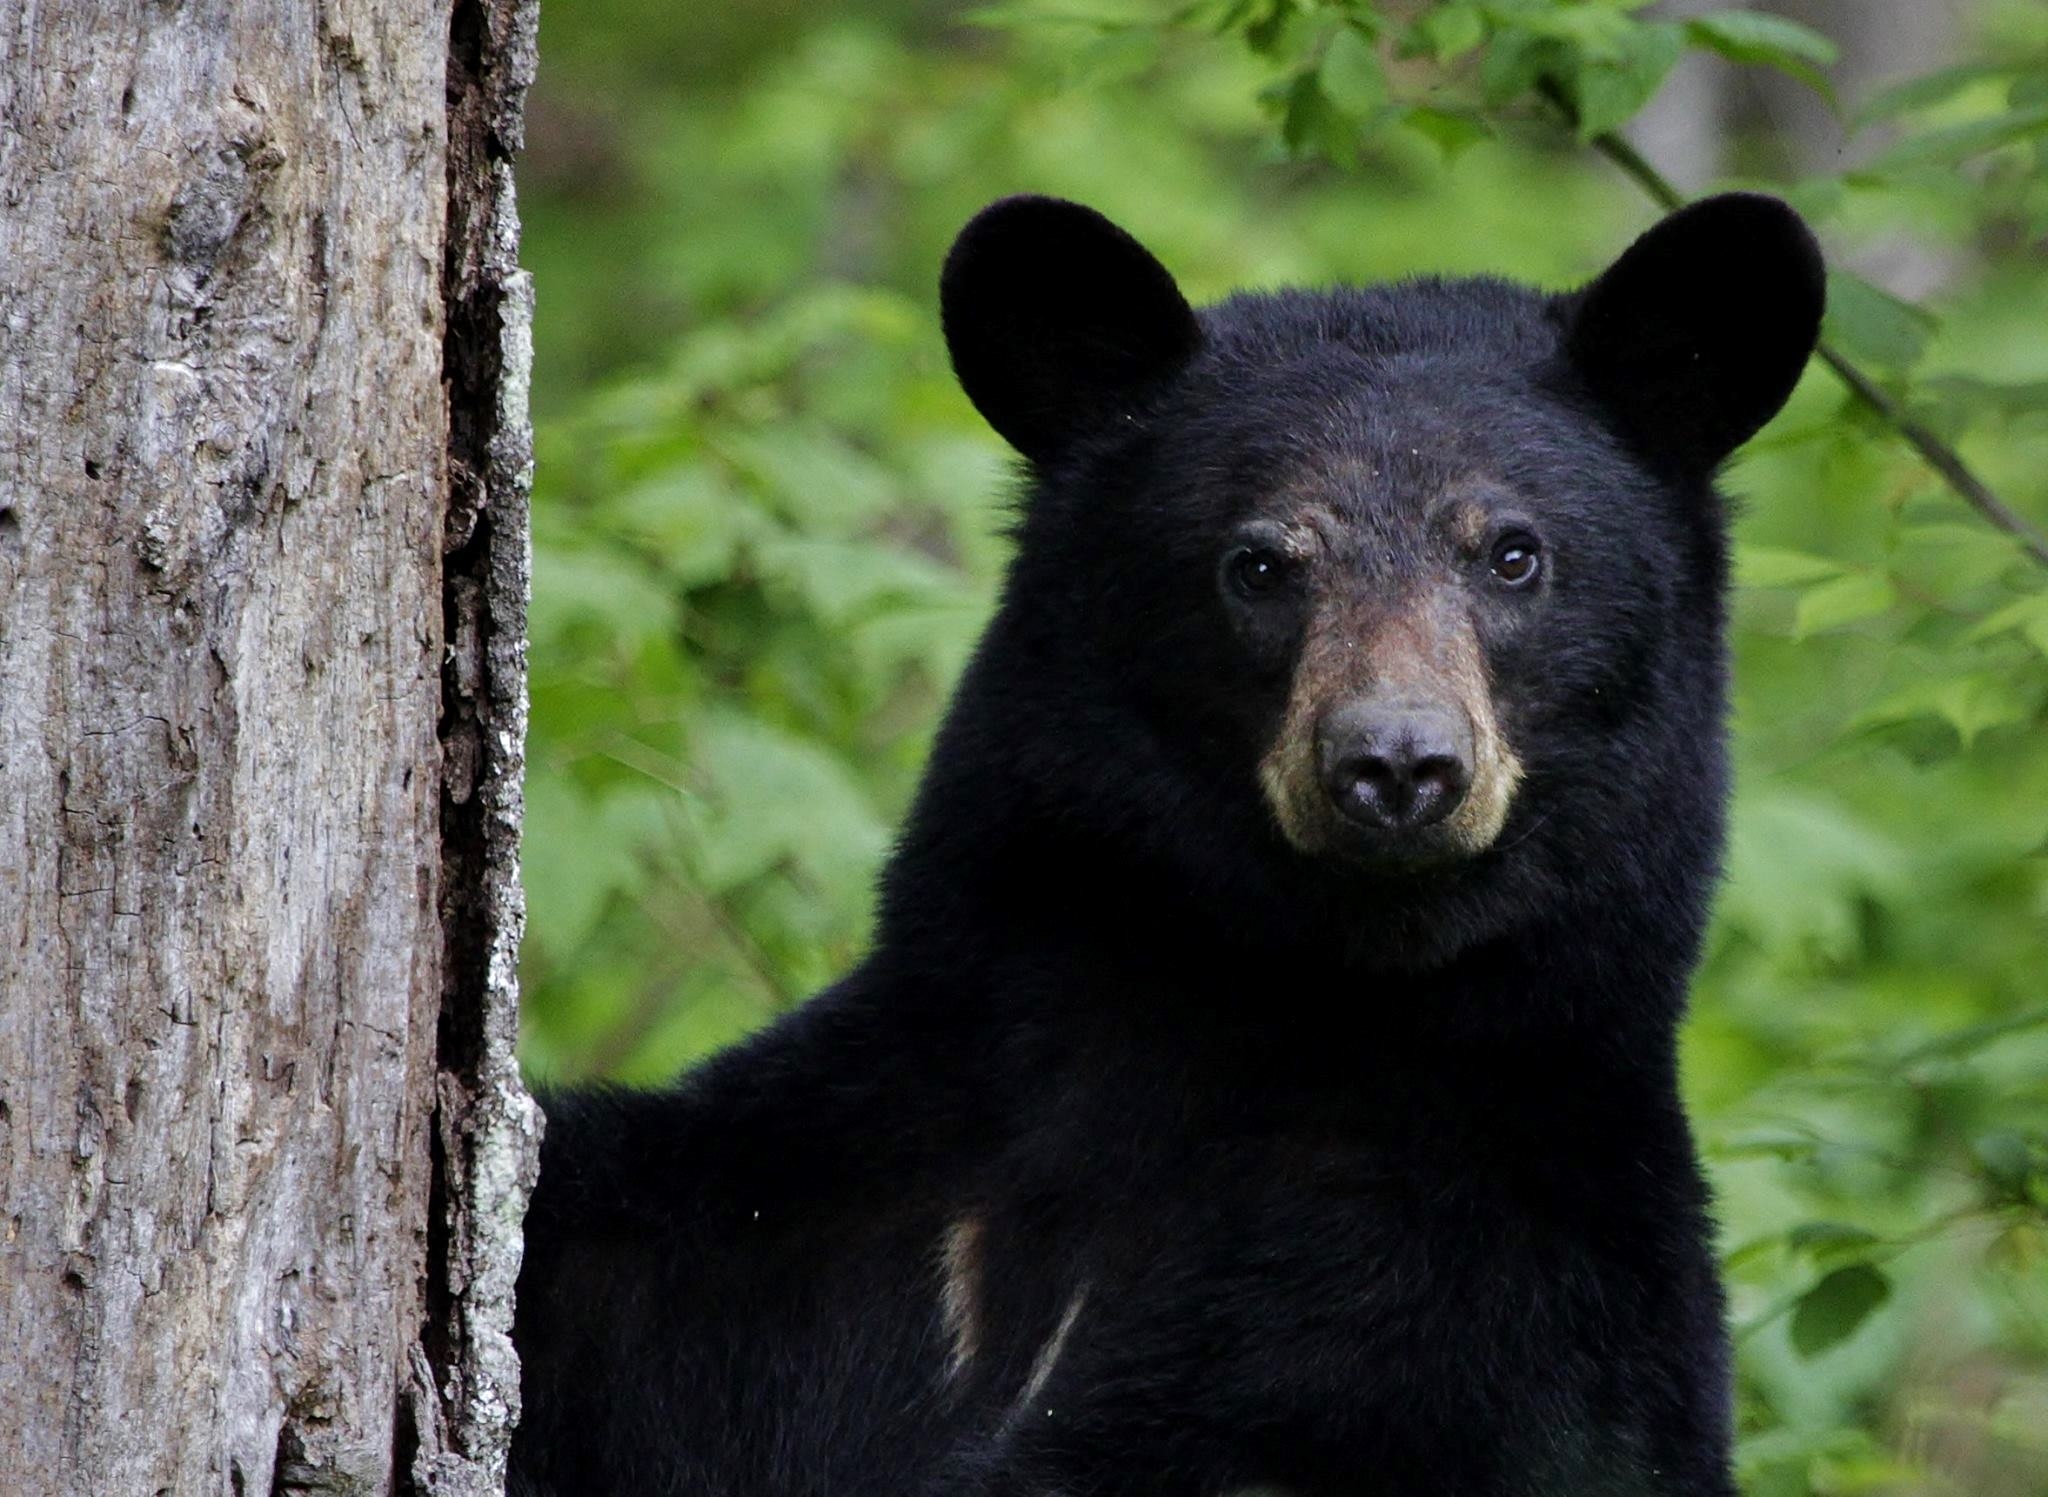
(767, 526)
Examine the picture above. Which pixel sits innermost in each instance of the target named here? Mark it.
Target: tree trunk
(262, 590)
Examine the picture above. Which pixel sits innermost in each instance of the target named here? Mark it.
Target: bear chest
(1306, 1305)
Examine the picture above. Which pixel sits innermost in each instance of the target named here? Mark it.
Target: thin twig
(1939, 456)
(1935, 452)
(1634, 166)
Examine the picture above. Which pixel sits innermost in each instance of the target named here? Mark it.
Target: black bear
(1263, 1077)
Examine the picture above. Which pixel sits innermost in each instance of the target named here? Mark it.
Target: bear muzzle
(1394, 766)
(1391, 752)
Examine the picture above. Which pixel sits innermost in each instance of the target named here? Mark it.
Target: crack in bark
(486, 1133)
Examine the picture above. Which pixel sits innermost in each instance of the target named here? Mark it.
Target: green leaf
(1803, 871)
(1602, 30)
(1218, 16)
(1926, 90)
(1310, 125)
(1606, 95)
(1872, 1473)
(1263, 32)
(938, 637)
(1954, 144)
(816, 478)
(773, 797)
(1953, 558)
(2028, 618)
(1116, 55)
(841, 580)
(1832, 1310)
(1971, 704)
(1974, 1037)
(597, 585)
(1451, 131)
(1775, 566)
(566, 890)
(1027, 13)
(1874, 326)
(1608, 92)
(1830, 1242)
(2009, 1159)
(1757, 38)
(691, 519)
(1968, 395)
(1351, 76)
(1848, 599)
(1304, 112)
(1782, 1144)
(1817, 198)
(1514, 60)
(1450, 31)
(1756, 1250)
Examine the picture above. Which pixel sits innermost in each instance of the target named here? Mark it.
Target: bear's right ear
(1697, 334)
(1058, 321)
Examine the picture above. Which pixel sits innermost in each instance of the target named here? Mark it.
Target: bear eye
(1517, 558)
(1258, 571)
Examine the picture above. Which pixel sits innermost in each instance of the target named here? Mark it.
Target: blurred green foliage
(767, 528)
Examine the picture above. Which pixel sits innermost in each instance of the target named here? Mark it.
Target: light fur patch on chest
(962, 1262)
(960, 1297)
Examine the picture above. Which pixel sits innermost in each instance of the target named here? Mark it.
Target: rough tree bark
(263, 1150)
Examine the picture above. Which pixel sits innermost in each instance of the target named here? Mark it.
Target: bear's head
(1398, 610)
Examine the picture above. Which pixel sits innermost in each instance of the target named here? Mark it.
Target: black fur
(1695, 373)
(1058, 320)
(1368, 1180)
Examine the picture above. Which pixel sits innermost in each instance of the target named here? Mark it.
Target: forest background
(768, 526)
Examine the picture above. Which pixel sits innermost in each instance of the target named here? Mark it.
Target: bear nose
(1394, 766)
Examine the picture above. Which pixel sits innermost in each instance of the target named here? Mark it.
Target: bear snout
(1394, 766)
(1390, 751)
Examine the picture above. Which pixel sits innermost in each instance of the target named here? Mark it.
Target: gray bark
(262, 569)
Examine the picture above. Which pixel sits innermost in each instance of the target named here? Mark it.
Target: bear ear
(1696, 335)
(1058, 321)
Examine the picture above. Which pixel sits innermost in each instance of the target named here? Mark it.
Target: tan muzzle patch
(1419, 649)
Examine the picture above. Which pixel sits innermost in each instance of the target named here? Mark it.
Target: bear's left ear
(1696, 335)
(1058, 321)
